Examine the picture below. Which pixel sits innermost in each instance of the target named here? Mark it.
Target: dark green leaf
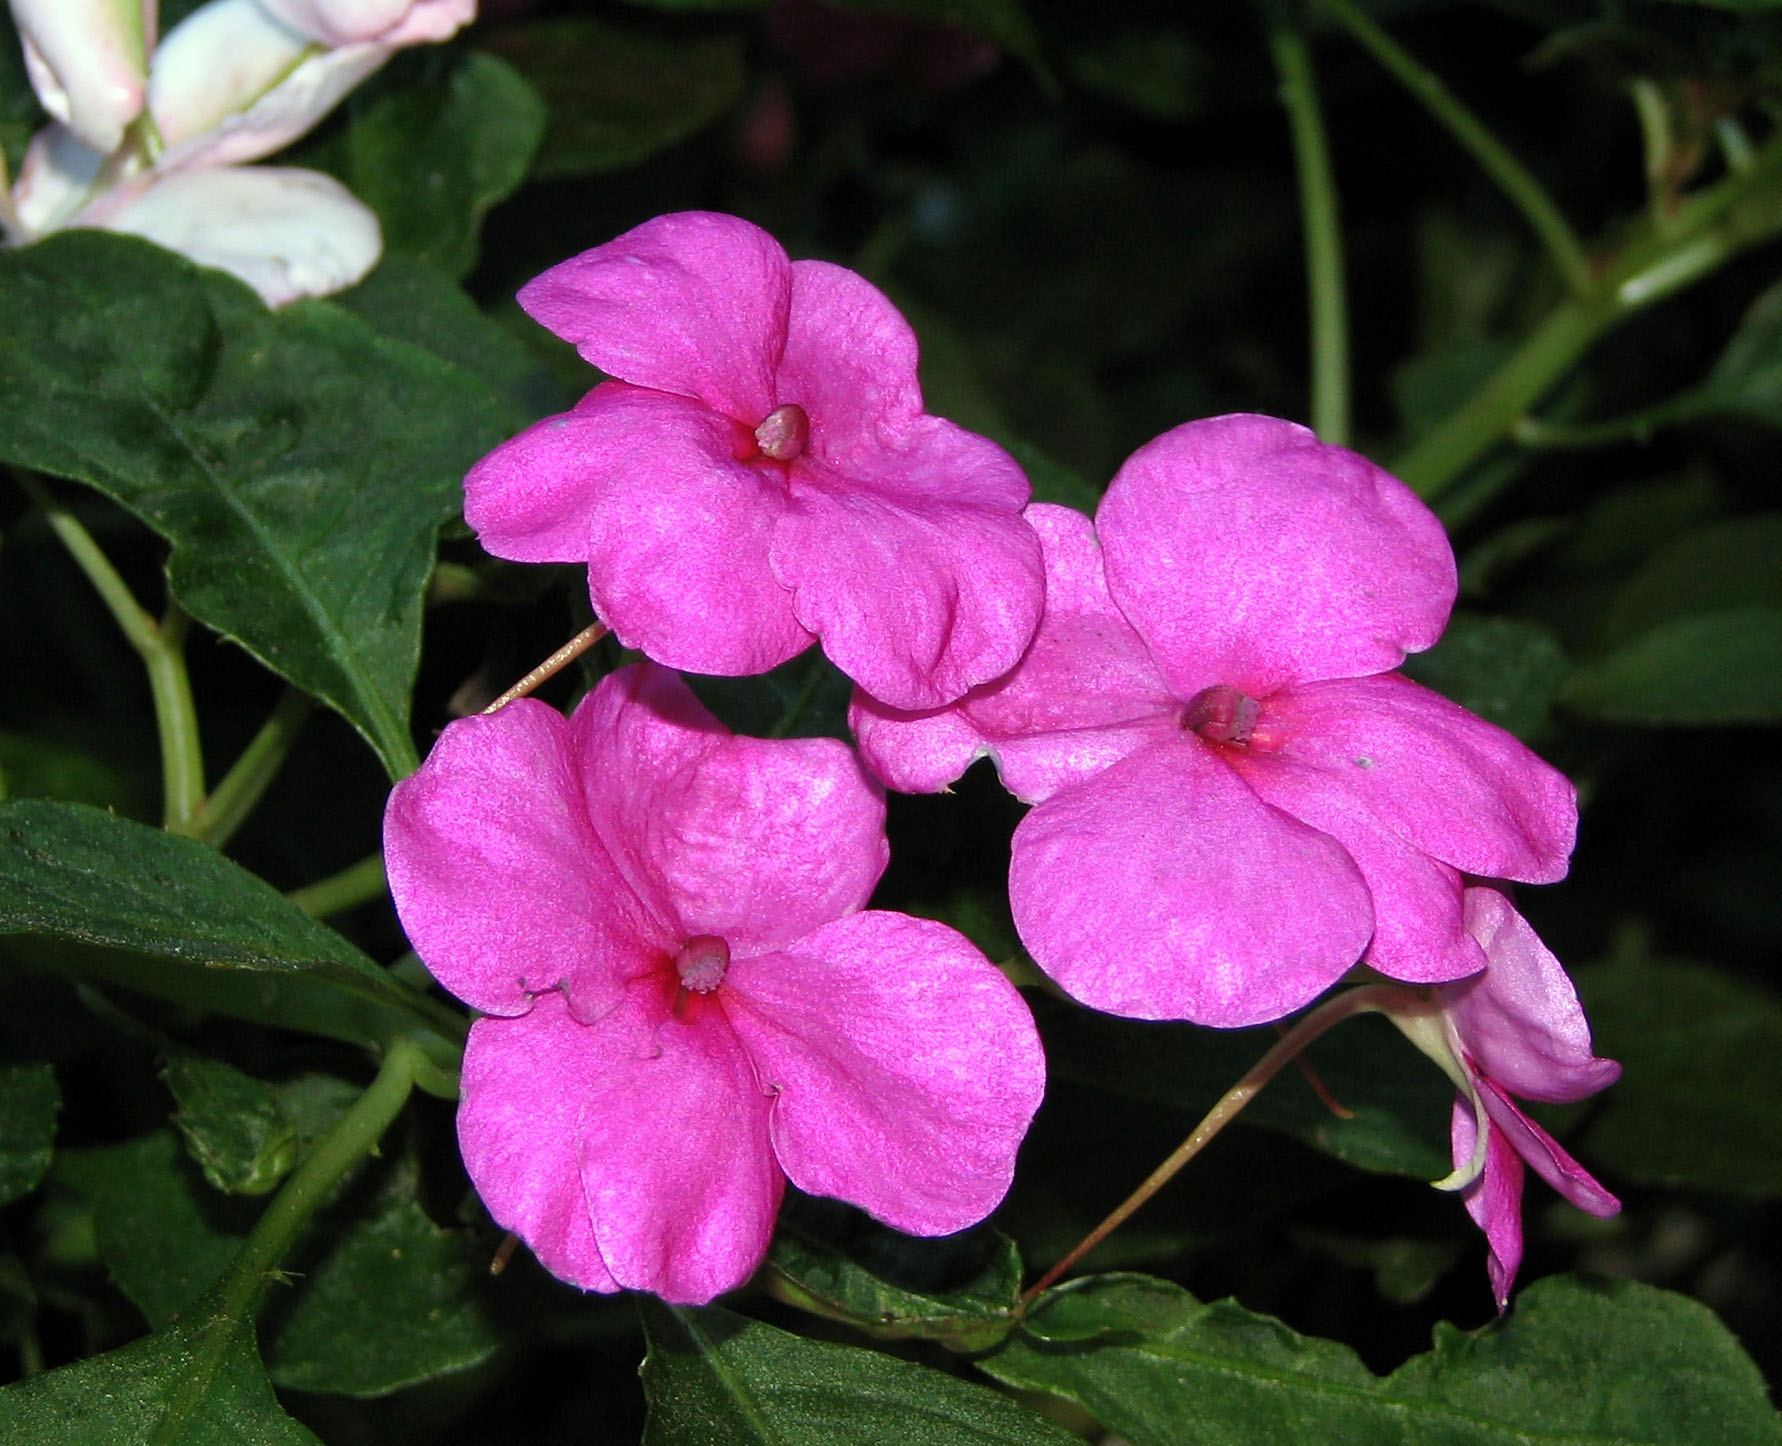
(711, 1376)
(1747, 380)
(616, 95)
(1158, 72)
(1732, 564)
(232, 1123)
(49, 768)
(1505, 670)
(29, 1102)
(1599, 1362)
(1701, 1056)
(299, 463)
(1718, 667)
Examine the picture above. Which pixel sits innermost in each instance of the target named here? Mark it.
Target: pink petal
(850, 362)
(1456, 786)
(88, 62)
(59, 175)
(693, 303)
(756, 841)
(1543, 1152)
(906, 1067)
(1419, 934)
(392, 22)
(1494, 1200)
(646, 487)
(1163, 888)
(1520, 1021)
(1248, 553)
(518, 1129)
(678, 1172)
(918, 573)
(500, 881)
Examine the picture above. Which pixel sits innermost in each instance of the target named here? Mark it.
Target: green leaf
(431, 156)
(1701, 1058)
(232, 1124)
(1718, 667)
(393, 1301)
(712, 1376)
(1583, 1361)
(299, 463)
(616, 95)
(1722, 566)
(32, 767)
(1747, 380)
(1505, 670)
(29, 1102)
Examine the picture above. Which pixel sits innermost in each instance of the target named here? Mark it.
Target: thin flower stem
(1514, 179)
(1368, 998)
(1321, 222)
(160, 645)
(237, 1295)
(354, 885)
(242, 787)
(558, 660)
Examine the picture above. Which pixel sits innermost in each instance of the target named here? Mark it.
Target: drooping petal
(850, 362)
(390, 22)
(906, 1067)
(287, 233)
(1521, 1022)
(917, 571)
(1084, 696)
(1164, 888)
(1458, 787)
(1248, 553)
(1543, 1152)
(756, 841)
(676, 532)
(1494, 1200)
(518, 1126)
(58, 177)
(1419, 931)
(677, 1169)
(693, 303)
(88, 62)
(502, 885)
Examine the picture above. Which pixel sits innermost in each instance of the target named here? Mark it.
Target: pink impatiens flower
(1515, 1029)
(762, 473)
(685, 1002)
(1236, 800)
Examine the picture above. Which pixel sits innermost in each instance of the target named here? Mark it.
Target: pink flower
(762, 472)
(1516, 1029)
(685, 1003)
(1235, 799)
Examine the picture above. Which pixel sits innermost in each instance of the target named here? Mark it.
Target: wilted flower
(1235, 798)
(762, 473)
(685, 1003)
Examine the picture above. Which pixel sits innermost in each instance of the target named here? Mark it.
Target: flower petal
(1164, 888)
(498, 876)
(1248, 553)
(391, 22)
(1521, 1022)
(286, 233)
(754, 840)
(58, 177)
(1543, 1152)
(1084, 696)
(88, 62)
(906, 1067)
(1456, 786)
(917, 571)
(850, 362)
(1494, 1200)
(693, 303)
(518, 1126)
(675, 531)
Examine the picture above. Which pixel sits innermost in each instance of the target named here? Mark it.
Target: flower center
(784, 434)
(1221, 714)
(702, 962)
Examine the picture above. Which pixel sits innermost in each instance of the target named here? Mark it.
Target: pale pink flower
(686, 1002)
(1236, 800)
(761, 474)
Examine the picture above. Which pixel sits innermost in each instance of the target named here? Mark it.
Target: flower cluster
(1237, 799)
(154, 139)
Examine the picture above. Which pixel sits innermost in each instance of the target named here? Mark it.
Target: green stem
(354, 885)
(1533, 433)
(242, 787)
(160, 645)
(1514, 179)
(236, 1297)
(1323, 231)
(1369, 998)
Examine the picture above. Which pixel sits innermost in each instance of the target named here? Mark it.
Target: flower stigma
(702, 962)
(784, 433)
(1222, 714)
